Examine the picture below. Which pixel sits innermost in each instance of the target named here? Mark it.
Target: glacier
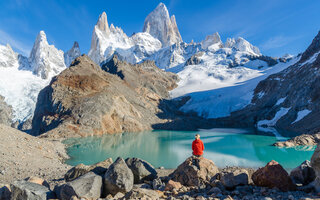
(22, 78)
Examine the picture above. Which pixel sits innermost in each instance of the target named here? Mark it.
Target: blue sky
(275, 26)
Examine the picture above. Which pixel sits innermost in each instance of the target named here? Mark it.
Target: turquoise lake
(226, 147)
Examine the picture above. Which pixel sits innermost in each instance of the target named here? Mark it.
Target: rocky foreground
(22, 155)
(133, 178)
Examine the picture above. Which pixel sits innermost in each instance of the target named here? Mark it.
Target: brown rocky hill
(288, 100)
(5, 112)
(87, 99)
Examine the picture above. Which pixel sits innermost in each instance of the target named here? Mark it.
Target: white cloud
(5, 38)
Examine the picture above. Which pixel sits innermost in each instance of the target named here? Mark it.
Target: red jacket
(197, 147)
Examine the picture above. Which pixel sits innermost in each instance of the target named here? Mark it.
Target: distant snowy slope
(228, 89)
(20, 89)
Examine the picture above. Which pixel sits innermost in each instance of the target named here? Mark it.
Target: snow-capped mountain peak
(8, 58)
(102, 23)
(72, 54)
(212, 42)
(45, 60)
(159, 24)
(241, 44)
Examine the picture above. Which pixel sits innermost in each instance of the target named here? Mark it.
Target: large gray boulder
(142, 170)
(234, 177)
(118, 178)
(303, 174)
(88, 186)
(99, 168)
(23, 190)
(195, 171)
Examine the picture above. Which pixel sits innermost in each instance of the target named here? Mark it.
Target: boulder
(5, 192)
(30, 191)
(118, 178)
(81, 169)
(157, 184)
(195, 171)
(76, 172)
(303, 174)
(172, 185)
(232, 178)
(273, 175)
(88, 186)
(37, 180)
(142, 170)
(315, 163)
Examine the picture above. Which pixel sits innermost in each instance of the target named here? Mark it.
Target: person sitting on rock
(197, 148)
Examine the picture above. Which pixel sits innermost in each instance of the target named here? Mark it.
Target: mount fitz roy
(215, 78)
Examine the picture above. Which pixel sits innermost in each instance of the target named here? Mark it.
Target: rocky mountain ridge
(288, 100)
(86, 99)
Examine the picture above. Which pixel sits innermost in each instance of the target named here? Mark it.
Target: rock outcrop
(86, 99)
(273, 175)
(195, 171)
(5, 112)
(301, 140)
(161, 26)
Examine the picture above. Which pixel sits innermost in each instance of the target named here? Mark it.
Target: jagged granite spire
(45, 60)
(212, 42)
(159, 24)
(72, 54)
(242, 45)
(8, 58)
(102, 23)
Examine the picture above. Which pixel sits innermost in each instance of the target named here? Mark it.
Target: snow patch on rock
(282, 112)
(301, 114)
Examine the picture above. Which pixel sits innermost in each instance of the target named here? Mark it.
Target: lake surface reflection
(226, 147)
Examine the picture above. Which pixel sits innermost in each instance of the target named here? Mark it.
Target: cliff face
(288, 100)
(5, 112)
(87, 99)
